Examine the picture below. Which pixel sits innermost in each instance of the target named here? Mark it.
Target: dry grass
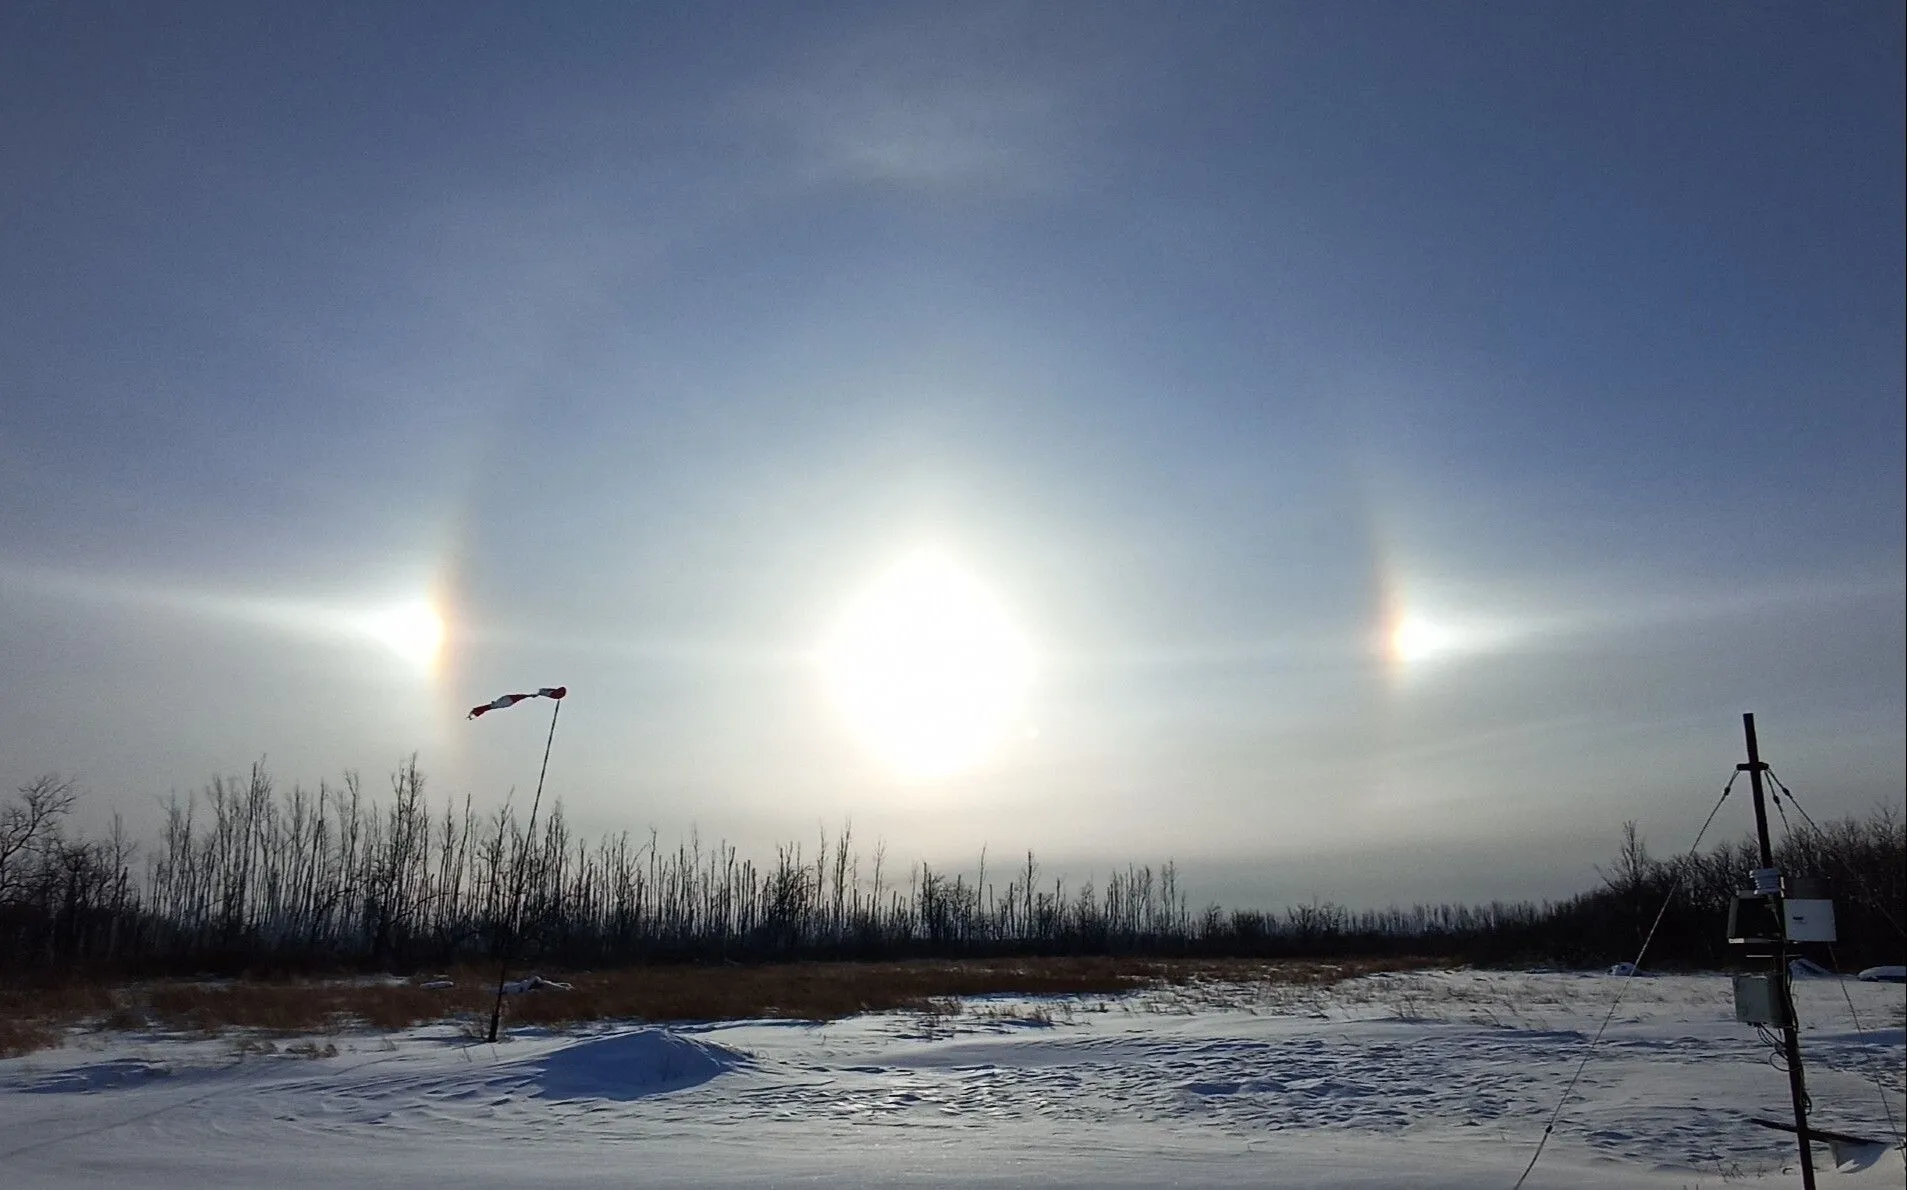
(23, 1037)
(35, 1017)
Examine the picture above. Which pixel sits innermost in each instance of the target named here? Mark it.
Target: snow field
(1433, 1079)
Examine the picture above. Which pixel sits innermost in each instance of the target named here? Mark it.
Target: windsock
(510, 700)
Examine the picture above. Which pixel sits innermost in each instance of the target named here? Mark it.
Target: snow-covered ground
(1441, 1079)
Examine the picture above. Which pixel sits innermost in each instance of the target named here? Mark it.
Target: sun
(928, 668)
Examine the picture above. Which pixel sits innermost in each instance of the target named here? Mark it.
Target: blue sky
(1217, 342)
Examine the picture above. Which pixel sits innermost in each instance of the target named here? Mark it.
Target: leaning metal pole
(1790, 1028)
(516, 884)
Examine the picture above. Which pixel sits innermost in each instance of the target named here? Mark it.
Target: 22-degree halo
(928, 668)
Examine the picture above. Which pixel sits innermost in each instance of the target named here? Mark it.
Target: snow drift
(632, 1065)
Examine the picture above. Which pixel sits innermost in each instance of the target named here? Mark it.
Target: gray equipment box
(1759, 1000)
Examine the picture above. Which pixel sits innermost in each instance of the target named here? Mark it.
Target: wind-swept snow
(1423, 1080)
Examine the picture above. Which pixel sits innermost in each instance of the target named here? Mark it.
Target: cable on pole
(1622, 989)
(1866, 890)
(1880, 1088)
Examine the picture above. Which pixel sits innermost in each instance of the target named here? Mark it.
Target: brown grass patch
(825, 991)
(23, 1037)
(31, 1018)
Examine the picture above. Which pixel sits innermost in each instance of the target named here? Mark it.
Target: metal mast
(1768, 883)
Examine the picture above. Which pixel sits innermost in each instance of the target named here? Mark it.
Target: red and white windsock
(510, 700)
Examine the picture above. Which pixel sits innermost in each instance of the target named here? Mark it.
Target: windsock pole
(556, 694)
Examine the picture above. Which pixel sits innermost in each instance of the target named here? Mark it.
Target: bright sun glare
(1415, 640)
(1414, 643)
(928, 667)
(414, 631)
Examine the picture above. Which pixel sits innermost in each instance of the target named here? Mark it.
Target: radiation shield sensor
(1808, 911)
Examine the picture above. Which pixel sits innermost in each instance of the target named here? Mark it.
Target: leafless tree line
(248, 876)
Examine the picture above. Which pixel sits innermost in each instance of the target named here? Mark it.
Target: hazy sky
(1405, 437)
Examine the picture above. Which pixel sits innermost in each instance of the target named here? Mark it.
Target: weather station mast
(1777, 911)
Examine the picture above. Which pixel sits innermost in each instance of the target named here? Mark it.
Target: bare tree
(31, 827)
